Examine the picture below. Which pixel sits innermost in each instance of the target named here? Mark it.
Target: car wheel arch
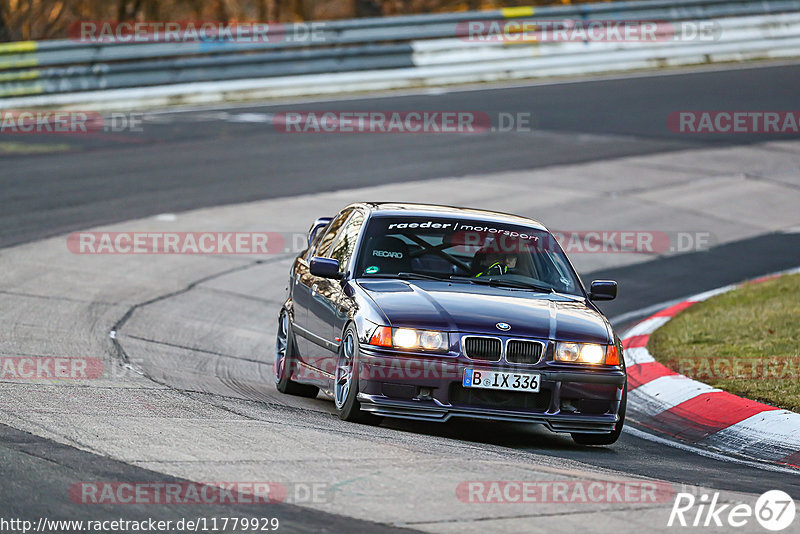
(362, 326)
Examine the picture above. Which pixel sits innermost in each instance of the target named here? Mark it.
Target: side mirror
(318, 225)
(603, 290)
(325, 268)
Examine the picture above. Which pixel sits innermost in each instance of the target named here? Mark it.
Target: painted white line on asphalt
(642, 312)
(637, 355)
(635, 432)
(648, 326)
(700, 297)
(251, 117)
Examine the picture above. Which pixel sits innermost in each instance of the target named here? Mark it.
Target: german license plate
(484, 379)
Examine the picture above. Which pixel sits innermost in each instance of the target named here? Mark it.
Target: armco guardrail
(377, 53)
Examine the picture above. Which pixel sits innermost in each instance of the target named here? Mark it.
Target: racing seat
(388, 254)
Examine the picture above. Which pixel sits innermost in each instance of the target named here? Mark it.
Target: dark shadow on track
(38, 474)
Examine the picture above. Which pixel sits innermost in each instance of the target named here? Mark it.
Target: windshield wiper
(502, 282)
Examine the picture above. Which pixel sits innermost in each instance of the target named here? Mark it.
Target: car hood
(477, 309)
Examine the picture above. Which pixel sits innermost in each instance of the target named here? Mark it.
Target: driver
(497, 263)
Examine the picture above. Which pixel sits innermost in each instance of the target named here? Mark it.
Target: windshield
(465, 250)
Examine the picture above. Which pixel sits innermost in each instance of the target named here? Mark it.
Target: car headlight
(587, 353)
(409, 338)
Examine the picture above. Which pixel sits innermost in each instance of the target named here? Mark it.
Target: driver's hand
(494, 269)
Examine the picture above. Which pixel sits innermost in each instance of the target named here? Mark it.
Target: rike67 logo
(774, 510)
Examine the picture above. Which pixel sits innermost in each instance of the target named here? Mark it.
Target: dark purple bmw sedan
(432, 312)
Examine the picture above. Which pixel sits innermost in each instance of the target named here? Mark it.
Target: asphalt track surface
(39, 472)
(193, 160)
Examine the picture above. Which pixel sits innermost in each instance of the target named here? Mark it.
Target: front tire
(345, 385)
(611, 437)
(285, 361)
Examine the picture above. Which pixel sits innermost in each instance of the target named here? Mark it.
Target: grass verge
(746, 342)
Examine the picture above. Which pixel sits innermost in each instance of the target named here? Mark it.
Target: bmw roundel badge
(503, 326)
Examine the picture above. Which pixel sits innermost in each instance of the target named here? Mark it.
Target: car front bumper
(569, 400)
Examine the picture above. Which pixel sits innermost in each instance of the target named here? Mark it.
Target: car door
(307, 300)
(301, 296)
(331, 304)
